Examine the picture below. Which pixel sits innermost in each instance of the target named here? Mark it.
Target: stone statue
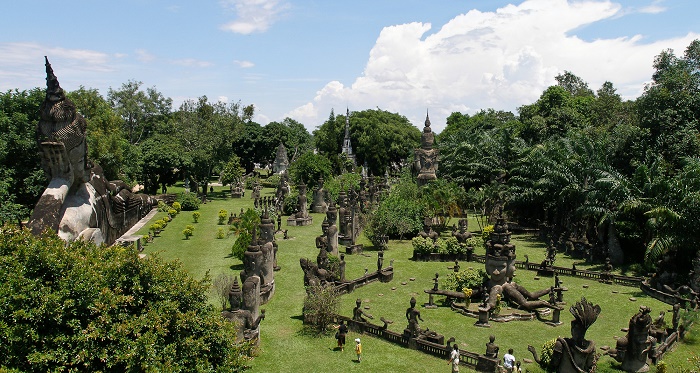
(413, 315)
(428, 232)
(491, 348)
(500, 266)
(358, 314)
(380, 260)
(319, 204)
(426, 157)
(341, 268)
(313, 276)
(462, 235)
(575, 354)
(79, 202)
(248, 316)
(281, 161)
(633, 349)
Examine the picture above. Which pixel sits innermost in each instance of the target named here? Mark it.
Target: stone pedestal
(483, 318)
(354, 249)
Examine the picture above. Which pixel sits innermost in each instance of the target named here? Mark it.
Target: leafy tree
(78, 307)
(321, 306)
(140, 111)
(206, 131)
(21, 178)
(309, 167)
(249, 146)
(292, 134)
(231, 172)
(162, 156)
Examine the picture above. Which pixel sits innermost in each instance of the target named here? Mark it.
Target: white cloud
(244, 64)
(144, 56)
(223, 99)
(191, 62)
(479, 60)
(253, 15)
(22, 64)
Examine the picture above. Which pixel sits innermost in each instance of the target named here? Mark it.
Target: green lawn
(285, 347)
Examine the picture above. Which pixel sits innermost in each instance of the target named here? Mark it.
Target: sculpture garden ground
(285, 346)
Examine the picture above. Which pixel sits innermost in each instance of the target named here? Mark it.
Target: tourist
(509, 361)
(454, 358)
(358, 350)
(341, 333)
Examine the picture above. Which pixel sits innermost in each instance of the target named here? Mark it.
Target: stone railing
(384, 275)
(663, 296)
(469, 359)
(591, 275)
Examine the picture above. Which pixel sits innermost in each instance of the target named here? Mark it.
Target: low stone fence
(663, 296)
(591, 275)
(384, 275)
(468, 359)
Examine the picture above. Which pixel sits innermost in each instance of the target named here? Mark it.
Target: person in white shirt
(454, 358)
(509, 361)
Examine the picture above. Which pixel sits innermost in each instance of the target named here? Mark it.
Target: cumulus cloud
(244, 64)
(253, 15)
(478, 60)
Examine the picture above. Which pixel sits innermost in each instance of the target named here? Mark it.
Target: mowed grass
(286, 347)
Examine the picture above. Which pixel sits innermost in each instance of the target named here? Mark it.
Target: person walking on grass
(454, 358)
(509, 361)
(358, 350)
(340, 334)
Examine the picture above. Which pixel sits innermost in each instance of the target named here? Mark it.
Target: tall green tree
(141, 111)
(21, 178)
(206, 131)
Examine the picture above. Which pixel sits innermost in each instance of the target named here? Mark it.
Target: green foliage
(244, 228)
(475, 242)
(334, 266)
(321, 306)
(92, 308)
(340, 182)
(231, 172)
(309, 167)
(400, 214)
(195, 216)
(188, 231)
(188, 201)
(223, 215)
(220, 233)
(423, 245)
(177, 206)
(547, 352)
(469, 278)
(221, 287)
(486, 232)
(271, 182)
(172, 212)
(661, 367)
(452, 246)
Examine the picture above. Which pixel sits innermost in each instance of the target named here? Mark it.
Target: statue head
(585, 314)
(413, 302)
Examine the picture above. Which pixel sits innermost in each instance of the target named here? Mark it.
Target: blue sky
(300, 59)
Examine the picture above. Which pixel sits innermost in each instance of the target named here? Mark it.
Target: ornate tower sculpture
(347, 145)
(426, 157)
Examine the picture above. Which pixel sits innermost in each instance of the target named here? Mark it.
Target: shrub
(223, 215)
(250, 182)
(486, 233)
(242, 241)
(475, 242)
(220, 233)
(422, 245)
(469, 278)
(334, 266)
(195, 216)
(321, 306)
(270, 182)
(188, 201)
(177, 206)
(452, 246)
(547, 352)
(167, 325)
(221, 286)
(162, 207)
(172, 212)
(188, 232)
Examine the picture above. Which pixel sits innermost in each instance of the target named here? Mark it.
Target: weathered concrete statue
(500, 266)
(633, 349)
(245, 309)
(575, 354)
(426, 157)
(79, 201)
